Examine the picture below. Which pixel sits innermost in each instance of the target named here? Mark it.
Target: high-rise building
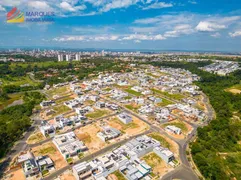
(60, 57)
(77, 57)
(68, 57)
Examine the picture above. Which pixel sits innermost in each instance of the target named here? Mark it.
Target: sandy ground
(112, 177)
(136, 127)
(35, 138)
(67, 175)
(17, 175)
(159, 166)
(87, 134)
(234, 91)
(54, 154)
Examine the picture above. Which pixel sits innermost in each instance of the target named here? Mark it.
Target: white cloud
(11, 2)
(143, 37)
(216, 35)
(216, 23)
(137, 41)
(205, 26)
(39, 5)
(235, 34)
(180, 30)
(192, 2)
(158, 5)
(115, 4)
(68, 7)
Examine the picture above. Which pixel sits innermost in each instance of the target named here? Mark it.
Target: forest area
(223, 134)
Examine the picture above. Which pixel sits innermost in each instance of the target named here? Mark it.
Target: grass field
(17, 81)
(135, 93)
(57, 91)
(132, 108)
(159, 138)
(171, 96)
(97, 114)
(164, 103)
(35, 138)
(63, 100)
(119, 175)
(12, 98)
(179, 124)
(60, 110)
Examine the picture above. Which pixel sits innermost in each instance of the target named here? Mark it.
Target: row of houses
(32, 165)
(125, 159)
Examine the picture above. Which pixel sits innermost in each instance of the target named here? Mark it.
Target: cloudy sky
(209, 25)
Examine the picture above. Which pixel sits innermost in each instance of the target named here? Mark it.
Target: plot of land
(12, 98)
(98, 113)
(186, 128)
(236, 89)
(17, 175)
(59, 110)
(35, 138)
(171, 96)
(135, 127)
(50, 150)
(88, 134)
(58, 91)
(133, 107)
(164, 103)
(135, 93)
(159, 167)
(18, 81)
(116, 176)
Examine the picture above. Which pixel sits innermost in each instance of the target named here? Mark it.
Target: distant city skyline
(194, 25)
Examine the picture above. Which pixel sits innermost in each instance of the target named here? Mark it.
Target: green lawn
(119, 175)
(150, 74)
(97, 114)
(68, 98)
(47, 150)
(60, 110)
(57, 91)
(132, 108)
(17, 81)
(171, 96)
(159, 138)
(12, 98)
(164, 103)
(180, 125)
(135, 93)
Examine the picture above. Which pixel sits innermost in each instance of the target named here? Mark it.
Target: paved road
(19, 146)
(93, 155)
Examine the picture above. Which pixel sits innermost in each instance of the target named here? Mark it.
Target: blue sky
(209, 25)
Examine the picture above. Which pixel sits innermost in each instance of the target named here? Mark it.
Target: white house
(125, 118)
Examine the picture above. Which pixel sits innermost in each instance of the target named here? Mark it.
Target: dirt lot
(52, 151)
(135, 127)
(159, 167)
(67, 175)
(17, 175)
(35, 138)
(87, 134)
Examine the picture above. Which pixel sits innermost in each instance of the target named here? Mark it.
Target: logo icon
(15, 16)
